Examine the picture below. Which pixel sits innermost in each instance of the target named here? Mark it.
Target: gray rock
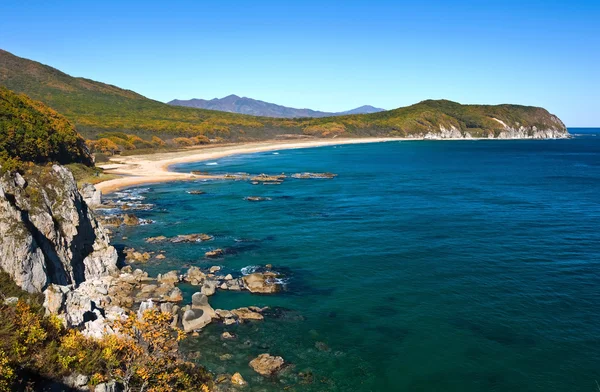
(209, 287)
(11, 301)
(91, 195)
(111, 386)
(195, 319)
(48, 234)
(76, 380)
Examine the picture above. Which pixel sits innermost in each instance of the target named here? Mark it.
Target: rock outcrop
(264, 283)
(48, 235)
(266, 364)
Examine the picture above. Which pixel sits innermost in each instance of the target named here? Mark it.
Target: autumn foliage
(142, 356)
(32, 132)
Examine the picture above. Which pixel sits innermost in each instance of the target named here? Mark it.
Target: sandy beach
(154, 168)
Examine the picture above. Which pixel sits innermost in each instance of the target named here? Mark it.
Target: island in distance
(234, 104)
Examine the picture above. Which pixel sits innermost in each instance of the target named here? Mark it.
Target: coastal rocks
(266, 364)
(264, 178)
(191, 238)
(135, 256)
(227, 335)
(195, 276)
(182, 238)
(211, 254)
(257, 198)
(264, 283)
(238, 380)
(247, 314)
(131, 220)
(91, 195)
(209, 288)
(154, 240)
(251, 313)
(48, 235)
(314, 175)
(200, 302)
(176, 295)
(170, 277)
(194, 320)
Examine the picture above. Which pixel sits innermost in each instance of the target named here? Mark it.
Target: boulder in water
(266, 364)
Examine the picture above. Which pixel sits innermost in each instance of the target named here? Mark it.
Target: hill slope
(243, 105)
(96, 107)
(32, 132)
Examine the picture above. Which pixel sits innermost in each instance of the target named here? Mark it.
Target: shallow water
(424, 266)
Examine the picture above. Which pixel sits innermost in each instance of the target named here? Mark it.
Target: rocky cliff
(47, 233)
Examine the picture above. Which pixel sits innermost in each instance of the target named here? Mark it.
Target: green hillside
(32, 132)
(96, 107)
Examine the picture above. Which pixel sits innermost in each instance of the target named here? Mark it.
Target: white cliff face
(47, 233)
(556, 131)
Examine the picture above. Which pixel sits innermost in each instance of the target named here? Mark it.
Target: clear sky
(325, 55)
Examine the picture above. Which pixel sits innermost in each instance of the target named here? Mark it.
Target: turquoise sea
(424, 266)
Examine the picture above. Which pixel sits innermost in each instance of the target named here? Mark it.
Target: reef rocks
(314, 175)
(212, 254)
(131, 220)
(48, 235)
(182, 238)
(266, 364)
(238, 380)
(200, 314)
(135, 256)
(257, 198)
(265, 178)
(264, 283)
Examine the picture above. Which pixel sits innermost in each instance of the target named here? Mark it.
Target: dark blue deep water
(424, 266)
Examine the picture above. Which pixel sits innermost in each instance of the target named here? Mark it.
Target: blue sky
(325, 55)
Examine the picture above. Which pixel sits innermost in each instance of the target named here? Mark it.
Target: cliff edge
(47, 232)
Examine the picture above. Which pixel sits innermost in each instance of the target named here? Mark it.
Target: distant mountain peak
(236, 104)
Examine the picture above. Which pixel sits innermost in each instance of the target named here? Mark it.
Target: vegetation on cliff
(32, 132)
(36, 350)
(97, 108)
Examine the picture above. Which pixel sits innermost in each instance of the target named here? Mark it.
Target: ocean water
(424, 266)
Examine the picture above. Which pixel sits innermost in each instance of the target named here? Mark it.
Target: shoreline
(138, 170)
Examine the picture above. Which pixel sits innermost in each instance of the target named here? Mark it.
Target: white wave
(212, 163)
(249, 269)
(275, 153)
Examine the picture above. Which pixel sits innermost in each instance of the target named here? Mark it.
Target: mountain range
(95, 108)
(235, 104)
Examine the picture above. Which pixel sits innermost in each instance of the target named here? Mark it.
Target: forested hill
(96, 107)
(32, 132)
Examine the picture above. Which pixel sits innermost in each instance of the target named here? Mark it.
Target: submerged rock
(153, 240)
(257, 198)
(268, 178)
(191, 238)
(266, 364)
(211, 254)
(196, 192)
(238, 380)
(314, 175)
